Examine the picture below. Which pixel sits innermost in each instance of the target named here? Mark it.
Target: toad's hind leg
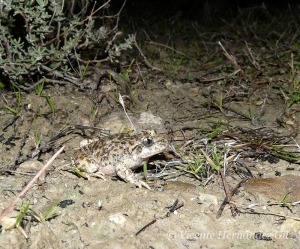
(128, 176)
(89, 165)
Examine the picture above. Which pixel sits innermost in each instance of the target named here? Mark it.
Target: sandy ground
(108, 214)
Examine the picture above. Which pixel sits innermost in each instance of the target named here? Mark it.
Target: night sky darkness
(194, 9)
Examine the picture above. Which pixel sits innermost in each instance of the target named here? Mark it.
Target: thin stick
(123, 105)
(29, 185)
(231, 58)
(174, 50)
(144, 227)
(224, 203)
(172, 209)
(274, 214)
(144, 57)
(233, 208)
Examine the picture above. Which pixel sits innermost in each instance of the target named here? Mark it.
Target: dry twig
(234, 210)
(176, 205)
(29, 185)
(144, 57)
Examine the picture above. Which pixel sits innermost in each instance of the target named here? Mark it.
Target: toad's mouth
(153, 156)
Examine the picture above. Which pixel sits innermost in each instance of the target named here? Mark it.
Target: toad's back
(119, 154)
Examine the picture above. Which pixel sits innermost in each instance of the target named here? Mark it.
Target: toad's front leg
(128, 176)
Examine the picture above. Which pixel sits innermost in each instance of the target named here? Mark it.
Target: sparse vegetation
(223, 85)
(57, 37)
(18, 103)
(223, 145)
(23, 210)
(37, 135)
(50, 213)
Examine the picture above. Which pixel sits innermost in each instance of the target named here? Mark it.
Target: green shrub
(55, 41)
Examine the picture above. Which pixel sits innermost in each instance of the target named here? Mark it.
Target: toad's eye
(148, 141)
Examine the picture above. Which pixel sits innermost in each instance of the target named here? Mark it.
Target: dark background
(195, 8)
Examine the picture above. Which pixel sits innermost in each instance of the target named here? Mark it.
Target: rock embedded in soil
(275, 188)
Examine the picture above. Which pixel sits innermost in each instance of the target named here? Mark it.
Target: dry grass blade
(28, 186)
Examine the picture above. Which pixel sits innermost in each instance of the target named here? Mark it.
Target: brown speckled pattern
(119, 155)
